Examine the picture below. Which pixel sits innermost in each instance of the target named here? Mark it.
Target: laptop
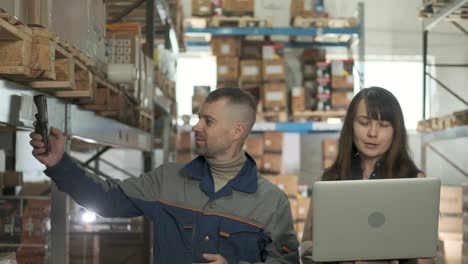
(375, 219)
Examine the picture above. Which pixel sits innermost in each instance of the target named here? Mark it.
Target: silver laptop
(375, 219)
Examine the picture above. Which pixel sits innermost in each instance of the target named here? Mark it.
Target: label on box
(225, 49)
(268, 52)
(296, 91)
(204, 9)
(302, 210)
(268, 142)
(266, 165)
(281, 186)
(350, 79)
(250, 70)
(308, 5)
(337, 68)
(223, 70)
(274, 96)
(349, 96)
(274, 69)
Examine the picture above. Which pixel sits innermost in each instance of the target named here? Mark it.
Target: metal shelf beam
(283, 31)
(446, 134)
(443, 13)
(297, 127)
(17, 109)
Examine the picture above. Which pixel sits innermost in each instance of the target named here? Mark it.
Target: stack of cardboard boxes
(329, 152)
(257, 67)
(25, 223)
(453, 223)
(275, 90)
(342, 82)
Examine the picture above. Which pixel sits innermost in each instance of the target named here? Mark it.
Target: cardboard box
(288, 183)
(293, 204)
(455, 251)
(254, 89)
(330, 148)
(304, 8)
(202, 8)
(342, 74)
(327, 162)
(273, 142)
(184, 156)
(123, 46)
(298, 102)
(238, 6)
(453, 223)
(315, 55)
(300, 229)
(343, 82)
(258, 162)
(254, 145)
(227, 84)
(35, 230)
(197, 101)
(271, 178)
(275, 97)
(273, 51)
(341, 100)
(35, 189)
(225, 46)
(11, 179)
(251, 70)
(272, 162)
(303, 208)
(184, 140)
(273, 70)
(251, 50)
(279, 11)
(227, 68)
(452, 199)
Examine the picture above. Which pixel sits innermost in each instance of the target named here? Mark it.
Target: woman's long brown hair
(381, 105)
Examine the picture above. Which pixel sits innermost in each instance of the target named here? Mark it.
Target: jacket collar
(245, 181)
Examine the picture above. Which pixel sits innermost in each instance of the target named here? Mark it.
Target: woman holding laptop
(372, 145)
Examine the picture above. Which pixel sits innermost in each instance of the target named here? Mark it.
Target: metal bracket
(447, 88)
(126, 11)
(460, 27)
(447, 160)
(443, 13)
(96, 156)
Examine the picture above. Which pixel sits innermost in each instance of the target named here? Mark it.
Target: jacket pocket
(179, 224)
(239, 241)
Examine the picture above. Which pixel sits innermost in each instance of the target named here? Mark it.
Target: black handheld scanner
(42, 121)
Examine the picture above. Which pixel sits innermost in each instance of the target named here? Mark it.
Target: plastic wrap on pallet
(122, 73)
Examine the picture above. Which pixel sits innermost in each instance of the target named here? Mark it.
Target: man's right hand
(56, 147)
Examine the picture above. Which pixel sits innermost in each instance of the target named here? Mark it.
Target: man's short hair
(235, 96)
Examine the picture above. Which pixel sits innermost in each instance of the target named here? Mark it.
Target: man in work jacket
(215, 209)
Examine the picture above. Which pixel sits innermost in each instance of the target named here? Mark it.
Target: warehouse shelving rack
(454, 132)
(356, 38)
(17, 112)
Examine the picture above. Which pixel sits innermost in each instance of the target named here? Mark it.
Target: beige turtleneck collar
(225, 170)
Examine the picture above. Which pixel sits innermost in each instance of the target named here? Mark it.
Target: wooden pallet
(444, 122)
(323, 22)
(244, 21)
(272, 116)
(15, 48)
(105, 99)
(317, 115)
(461, 118)
(145, 120)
